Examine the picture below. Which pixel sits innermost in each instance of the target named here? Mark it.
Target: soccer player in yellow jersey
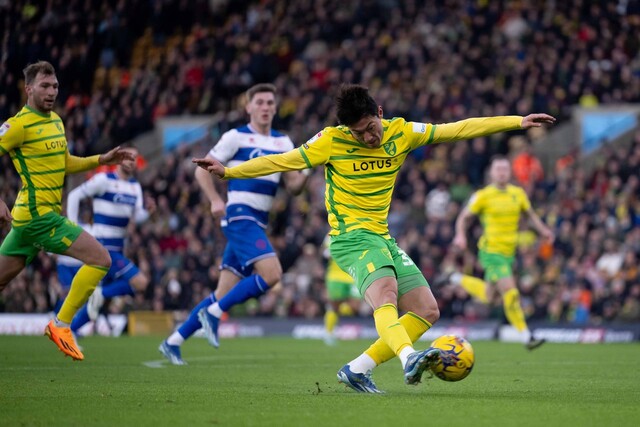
(499, 207)
(36, 142)
(362, 157)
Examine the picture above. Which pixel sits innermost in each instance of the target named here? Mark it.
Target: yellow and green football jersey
(360, 179)
(499, 212)
(37, 145)
(38, 148)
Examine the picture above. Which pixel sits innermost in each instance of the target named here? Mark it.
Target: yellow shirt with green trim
(499, 212)
(360, 180)
(37, 145)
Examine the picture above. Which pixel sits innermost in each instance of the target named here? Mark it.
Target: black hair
(353, 102)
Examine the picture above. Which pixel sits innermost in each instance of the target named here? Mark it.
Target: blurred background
(168, 75)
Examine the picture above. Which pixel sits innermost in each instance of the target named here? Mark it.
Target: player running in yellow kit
(362, 157)
(499, 206)
(36, 141)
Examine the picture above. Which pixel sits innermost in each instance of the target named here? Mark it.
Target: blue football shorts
(247, 243)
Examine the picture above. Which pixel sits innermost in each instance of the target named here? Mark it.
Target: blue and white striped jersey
(250, 198)
(115, 202)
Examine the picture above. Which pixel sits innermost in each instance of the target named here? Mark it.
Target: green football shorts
(50, 232)
(340, 291)
(496, 266)
(363, 254)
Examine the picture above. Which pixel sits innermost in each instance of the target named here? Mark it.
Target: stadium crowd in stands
(124, 64)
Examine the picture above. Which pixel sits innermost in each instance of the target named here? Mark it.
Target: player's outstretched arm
(211, 165)
(482, 126)
(115, 156)
(537, 120)
(260, 166)
(5, 213)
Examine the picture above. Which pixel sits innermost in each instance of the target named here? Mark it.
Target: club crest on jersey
(4, 128)
(59, 127)
(390, 148)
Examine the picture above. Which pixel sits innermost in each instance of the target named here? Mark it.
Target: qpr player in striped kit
(250, 266)
(117, 198)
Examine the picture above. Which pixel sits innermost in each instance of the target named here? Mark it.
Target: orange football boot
(63, 338)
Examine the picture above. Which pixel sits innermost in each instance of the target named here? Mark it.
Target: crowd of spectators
(124, 64)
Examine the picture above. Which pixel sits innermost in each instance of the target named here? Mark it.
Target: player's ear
(380, 111)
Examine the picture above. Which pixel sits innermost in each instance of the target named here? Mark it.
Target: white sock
(215, 310)
(59, 323)
(362, 364)
(404, 354)
(527, 336)
(455, 278)
(175, 339)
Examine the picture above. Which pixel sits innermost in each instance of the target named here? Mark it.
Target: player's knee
(140, 282)
(377, 296)
(389, 295)
(103, 259)
(272, 276)
(431, 313)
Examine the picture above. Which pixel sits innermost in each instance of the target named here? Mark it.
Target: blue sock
(249, 287)
(56, 309)
(80, 319)
(192, 323)
(117, 288)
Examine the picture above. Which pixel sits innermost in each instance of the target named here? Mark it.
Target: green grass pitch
(287, 382)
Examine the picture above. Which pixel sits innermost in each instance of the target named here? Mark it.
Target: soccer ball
(456, 358)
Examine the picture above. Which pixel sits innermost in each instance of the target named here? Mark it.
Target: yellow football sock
(475, 287)
(82, 286)
(389, 329)
(414, 327)
(330, 320)
(512, 309)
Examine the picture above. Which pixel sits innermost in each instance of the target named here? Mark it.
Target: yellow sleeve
(11, 136)
(476, 203)
(524, 201)
(312, 153)
(76, 164)
(426, 133)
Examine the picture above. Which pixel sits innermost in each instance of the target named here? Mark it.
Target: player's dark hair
(32, 70)
(498, 158)
(353, 102)
(260, 87)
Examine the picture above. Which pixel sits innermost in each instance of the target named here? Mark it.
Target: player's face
(368, 131)
(500, 172)
(128, 167)
(262, 108)
(42, 93)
